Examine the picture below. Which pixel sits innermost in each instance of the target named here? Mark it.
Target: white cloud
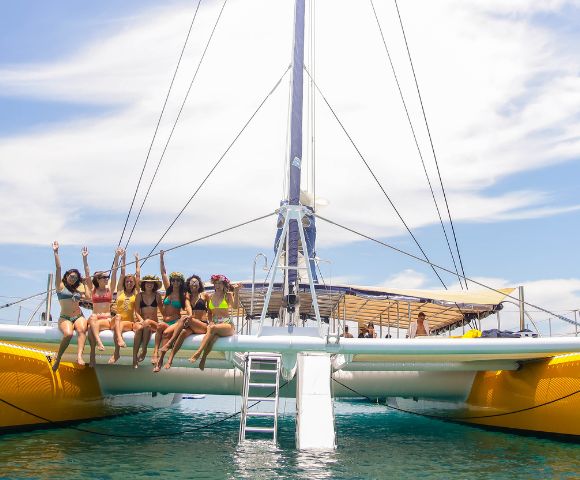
(408, 278)
(491, 80)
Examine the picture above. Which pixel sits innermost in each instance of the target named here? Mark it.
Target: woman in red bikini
(71, 318)
(173, 303)
(220, 323)
(100, 290)
(196, 300)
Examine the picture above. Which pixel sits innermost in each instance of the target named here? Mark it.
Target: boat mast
(295, 163)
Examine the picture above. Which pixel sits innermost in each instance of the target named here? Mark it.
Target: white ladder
(261, 373)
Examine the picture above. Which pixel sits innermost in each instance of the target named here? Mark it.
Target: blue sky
(82, 84)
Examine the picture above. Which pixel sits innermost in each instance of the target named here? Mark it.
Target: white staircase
(261, 387)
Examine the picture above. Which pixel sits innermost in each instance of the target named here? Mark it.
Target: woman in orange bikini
(196, 300)
(147, 304)
(71, 318)
(173, 302)
(124, 321)
(100, 290)
(220, 323)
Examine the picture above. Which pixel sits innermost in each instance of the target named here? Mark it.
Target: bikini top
(107, 297)
(223, 304)
(173, 303)
(142, 304)
(65, 294)
(200, 305)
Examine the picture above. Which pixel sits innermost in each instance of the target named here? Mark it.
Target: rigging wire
(175, 123)
(416, 142)
(470, 417)
(432, 146)
(376, 179)
(220, 159)
(158, 123)
(434, 265)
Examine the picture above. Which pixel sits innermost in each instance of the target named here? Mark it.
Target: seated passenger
(100, 290)
(196, 300)
(147, 304)
(420, 327)
(69, 293)
(220, 323)
(124, 320)
(370, 331)
(173, 302)
(346, 333)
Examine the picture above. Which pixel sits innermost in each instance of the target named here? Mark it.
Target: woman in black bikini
(71, 318)
(173, 302)
(196, 321)
(147, 304)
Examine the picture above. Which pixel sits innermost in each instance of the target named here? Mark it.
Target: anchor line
(361, 156)
(434, 265)
(473, 417)
(114, 435)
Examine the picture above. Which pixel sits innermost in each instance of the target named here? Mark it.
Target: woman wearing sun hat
(220, 323)
(173, 303)
(147, 304)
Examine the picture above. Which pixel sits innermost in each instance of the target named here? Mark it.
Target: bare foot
(157, 368)
(142, 356)
(101, 347)
(194, 357)
(154, 358)
(121, 343)
(165, 348)
(135, 364)
(114, 357)
(80, 361)
(55, 365)
(202, 363)
(167, 365)
(92, 361)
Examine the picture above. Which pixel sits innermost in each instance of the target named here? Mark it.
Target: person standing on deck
(71, 318)
(420, 327)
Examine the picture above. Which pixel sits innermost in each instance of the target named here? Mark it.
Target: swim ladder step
(262, 399)
(262, 385)
(261, 429)
(260, 414)
(260, 370)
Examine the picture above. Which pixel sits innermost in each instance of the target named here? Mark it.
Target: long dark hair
(169, 291)
(201, 287)
(74, 286)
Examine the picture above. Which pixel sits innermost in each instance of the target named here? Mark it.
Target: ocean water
(196, 439)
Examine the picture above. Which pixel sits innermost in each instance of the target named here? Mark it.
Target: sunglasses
(103, 277)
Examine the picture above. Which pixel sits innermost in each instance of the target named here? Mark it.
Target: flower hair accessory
(177, 275)
(152, 279)
(219, 278)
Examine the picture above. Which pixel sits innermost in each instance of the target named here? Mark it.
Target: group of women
(185, 309)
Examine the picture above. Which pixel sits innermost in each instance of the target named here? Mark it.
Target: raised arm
(236, 295)
(123, 255)
(164, 276)
(113, 280)
(137, 270)
(58, 274)
(88, 283)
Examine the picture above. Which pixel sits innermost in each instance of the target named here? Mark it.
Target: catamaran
(295, 348)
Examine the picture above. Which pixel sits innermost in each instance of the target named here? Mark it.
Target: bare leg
(149, 327)
(178, 327)
(94, 325)
(206, 339)
(116, 327)
(138, 329)
(186, 332)
(158, 336)
(80, 326)
(93, 343)
(206, 352)
(66, 328)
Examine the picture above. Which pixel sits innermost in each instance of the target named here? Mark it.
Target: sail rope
(375, 178)
(416, 142)
(219, 160)
(158, 123)
(156, 435)
(439, 267)
(175, 122)
(431, 142)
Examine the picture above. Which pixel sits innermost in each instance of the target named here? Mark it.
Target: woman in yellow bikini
(173, 302)
(196, 300)
(71, 318)
(124, 321)
(220, 323)
(100, 290)
(147, 304)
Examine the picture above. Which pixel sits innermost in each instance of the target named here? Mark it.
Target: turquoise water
(373, 442)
